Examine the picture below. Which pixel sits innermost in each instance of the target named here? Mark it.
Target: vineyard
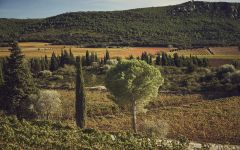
(208, 121)
(200, 51)
(40, 134)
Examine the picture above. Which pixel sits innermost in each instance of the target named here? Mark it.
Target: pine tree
(80, 96)
(54, 62)
(19, 85)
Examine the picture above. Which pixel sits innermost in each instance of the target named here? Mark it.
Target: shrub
(66, 70)
(45, 74)
(225, 69)
(56, 77)
(157, 128)
(235, 77)
(112, 62)
(49, 103)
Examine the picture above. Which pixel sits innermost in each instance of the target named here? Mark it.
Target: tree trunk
(134, 116)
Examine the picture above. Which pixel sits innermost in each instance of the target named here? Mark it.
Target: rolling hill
(191, 24)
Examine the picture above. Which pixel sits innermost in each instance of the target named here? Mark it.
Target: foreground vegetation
(175, 110)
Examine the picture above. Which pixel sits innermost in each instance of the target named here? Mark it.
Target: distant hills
(191, 24)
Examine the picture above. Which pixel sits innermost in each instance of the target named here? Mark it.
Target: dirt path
(208, 146)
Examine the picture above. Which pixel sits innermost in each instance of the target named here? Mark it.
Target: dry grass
(225, 50)
(189, 115)
(39, 49)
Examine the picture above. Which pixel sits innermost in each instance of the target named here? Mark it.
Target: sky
(46, 8)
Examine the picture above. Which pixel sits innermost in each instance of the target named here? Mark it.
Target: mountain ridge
(190, 24)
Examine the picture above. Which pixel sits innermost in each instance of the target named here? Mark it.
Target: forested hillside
(189, 24)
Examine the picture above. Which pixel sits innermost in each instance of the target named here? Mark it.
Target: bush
(225, 69)
(66, 70)
(45, 74)
(49, 104)
(112, 62)
(56, 77)
(157, 128)
(235, 77)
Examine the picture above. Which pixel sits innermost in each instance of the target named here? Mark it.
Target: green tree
(54, 62)
(80, 105)
(133, 82)
(19, 85)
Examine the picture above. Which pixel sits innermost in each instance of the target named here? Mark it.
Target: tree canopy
(133, 82)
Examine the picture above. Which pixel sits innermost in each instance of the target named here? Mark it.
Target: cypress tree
(92, 57)
(164, 59)
(105, 59)
(66, 58)
(150, 60)
(71, 56)
(88, 62)
(158, 60)
(80, 105)
(96, 57)
(19, 85)
(54, 62)
(1, 87)
(1, 76)
(46, 63)
(176, 60)
(62, 59)
(107, 55)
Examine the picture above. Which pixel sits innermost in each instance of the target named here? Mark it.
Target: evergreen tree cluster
(39, 64)
(18, 84)
(66, 58)
(147, 57)
(89, 58)
(180, 61)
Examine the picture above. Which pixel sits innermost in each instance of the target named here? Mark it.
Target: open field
(35, 49)
(192, 115)
(217, 55)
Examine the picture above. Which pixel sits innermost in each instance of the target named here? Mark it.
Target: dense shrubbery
(224, 79)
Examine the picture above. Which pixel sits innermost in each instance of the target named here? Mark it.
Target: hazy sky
(46, 8)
